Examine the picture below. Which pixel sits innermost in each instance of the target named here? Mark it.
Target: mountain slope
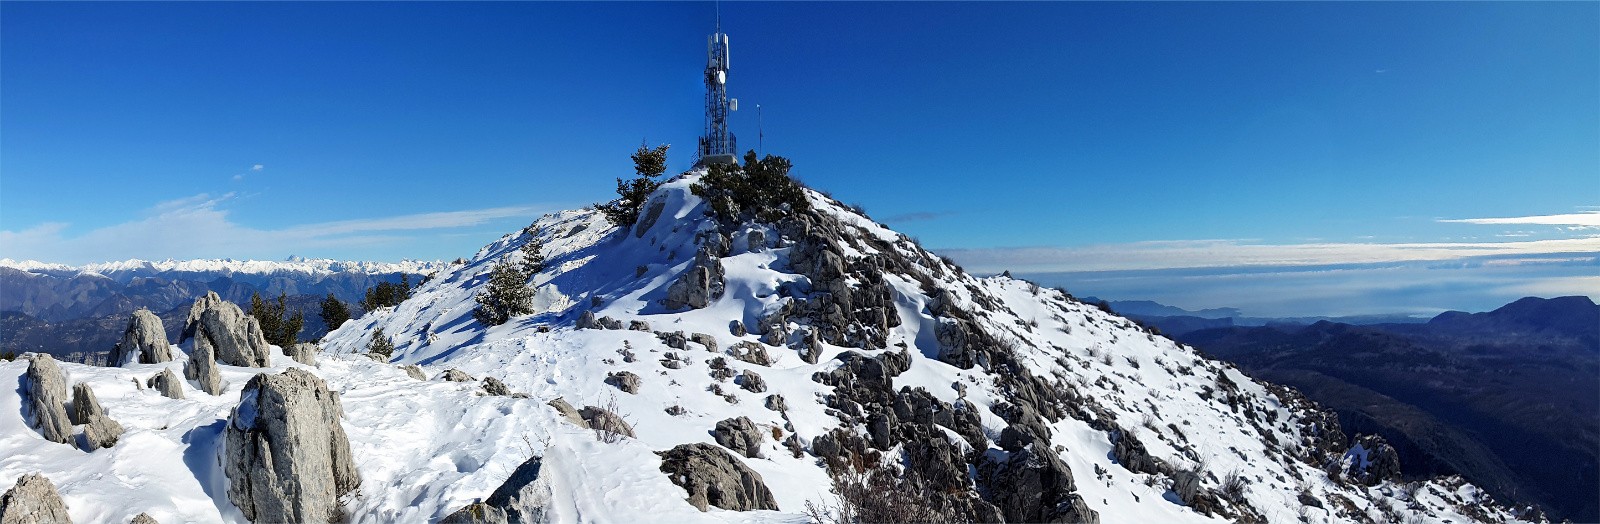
(996, 397)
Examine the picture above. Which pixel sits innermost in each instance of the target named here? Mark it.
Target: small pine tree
(532, 257)
(387, 294)
(632, 194)
(508, 295)
(334, 312)
(761, 188)
(381, 345)
(279, 331)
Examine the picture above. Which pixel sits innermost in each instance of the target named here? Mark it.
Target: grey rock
(605, 420)
(477, 513)
(456, 375)
(1372, 460)
(570, 413)
(752, 352)
(638, 325)
(587, 320)
(167, 383)
(202, 369)
(145, 341)
(1186, 484)
(191, 324)
(304, 353)
(737, 328)
(494, 386)
(1034, 485)
(99, 431)
(625, 381)
(144, 518)
(648, 219)
(703, 339)
(610, 323)
(810, 347)
(33, 500)
(752, 382)
(414, 371)
(47, 396)
(523, 498)
(714, 477)
(739, 435)
(286, 455)
(673, 339)
(775, 402)
(702, 282)
(235, 337)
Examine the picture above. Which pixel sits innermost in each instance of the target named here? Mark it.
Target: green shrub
(632, 194)
(760, 189)
(508, 295)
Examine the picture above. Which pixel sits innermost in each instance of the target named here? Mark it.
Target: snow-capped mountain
(846, 347)
(126, 270)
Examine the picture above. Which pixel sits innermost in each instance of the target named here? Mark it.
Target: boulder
(700, 284)
(494, 386)
(752, 382)
(714, 477)
(1033, 485)
(739, 435)
(33, 500)
(145, 341)
(456, 375)
(673, 339)
(703, 339)
(737, 328)
(568, 412)
(286, 455)
(202, 369)
(1186, 484)
(610, 323)
(775, 402)
(304, 353)
(605, 420)
(144, 518)
(414, 371)
(191, 324)
(99, 431)
(477, 513)
(166, 382)
(1372, 460)
(638, 325)
(523, 498)
(235, 337)
(47, 397)
(587, 320)
(625, 381)
(751, 352)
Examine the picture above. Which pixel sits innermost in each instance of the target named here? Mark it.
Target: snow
(128, 269)
(427, 448)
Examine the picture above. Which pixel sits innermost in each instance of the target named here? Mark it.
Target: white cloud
(1242, 253)
(199, 227)
(1585, 219)
(257, 167)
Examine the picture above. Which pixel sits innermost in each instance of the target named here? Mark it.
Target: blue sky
(1068, 141)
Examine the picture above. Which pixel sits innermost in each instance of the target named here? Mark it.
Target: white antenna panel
(722, 77)
(733, 104)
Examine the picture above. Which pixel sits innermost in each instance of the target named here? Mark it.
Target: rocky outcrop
(99, 431)
(47, 397)
(235, 337)
(145, 341)
(523, 498)
(700, 284)
(1033, 485)
(739, 435)
(202, 369)
(568, 412)
(494, 386)
(33, 500)
(456, 375)
(414, 371)
(166, 382)
(752, 382)
(286, 455)
(703, 339)
(638, 325)
(304, 353)
(606, 420)
(143, 518)
(587, 320)
(1372, 460)
(625, 381)
(714, 477)
(775, 402)
(751, 352)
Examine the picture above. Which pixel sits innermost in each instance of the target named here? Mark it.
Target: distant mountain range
(1509, 399)
(66, 310)
(1173, 320)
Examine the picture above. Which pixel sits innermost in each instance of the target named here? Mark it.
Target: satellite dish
(733, 104)
(722, 77)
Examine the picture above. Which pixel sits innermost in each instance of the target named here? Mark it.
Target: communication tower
(718, 146)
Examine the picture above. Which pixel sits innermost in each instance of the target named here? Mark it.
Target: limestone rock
(191, 324)
(143, 518)
(202, 369)
(703, 339)
(47, 396)
(33, 500)
(610, 323)
(304, 353)
(752, 382)
(638, 325)
(1034, 485)
(701, 283)
(751, 352)
(625, 381)
(1372, 460)
(605, 420)
(714, 477)
(737, 328)
(775, 402)
(166, 382)
(587, 320)
(477, 513)
(235, 337)
(145, 341)
(570, 413)
(739, 435)
(99, 431)
(413, 371)
(523, 498)
(494, 386)
(456, 375)
(286, 455)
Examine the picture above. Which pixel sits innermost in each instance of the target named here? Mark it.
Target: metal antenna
(761, 134)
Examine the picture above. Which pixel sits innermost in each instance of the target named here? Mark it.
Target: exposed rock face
(648, 219)
(737, 328)
(775, 402)
(1372, 460)
(494, 386)
(47, 396)
(33, 500)
(570, 413)
(625, 381)
(235, 337)
(700, 284)
(750, 352)
(166, 382)
(413, 371)
(286, 457)
(673, 339)
(456, 375)
(99, 431)
(638, 325)
(523, 498)
(603, 419)
(144, 519)
(202, 369)
(739, 435)
(752, 382)
(1186, 484)
(145, 341)
(703, 339)
(714, 477)
(304, 353)
(610, 323)
(1034, 485)
(587, 320)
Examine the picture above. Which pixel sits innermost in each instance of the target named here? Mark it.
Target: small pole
(761, 134)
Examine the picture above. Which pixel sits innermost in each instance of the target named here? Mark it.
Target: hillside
(849, 349)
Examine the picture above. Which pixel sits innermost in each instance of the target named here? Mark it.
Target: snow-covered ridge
(136, 268)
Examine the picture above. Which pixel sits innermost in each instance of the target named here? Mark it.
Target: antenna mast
(717, 146)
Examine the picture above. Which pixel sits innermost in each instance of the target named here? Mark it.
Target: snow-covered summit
(831, 338)
(124, 270)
